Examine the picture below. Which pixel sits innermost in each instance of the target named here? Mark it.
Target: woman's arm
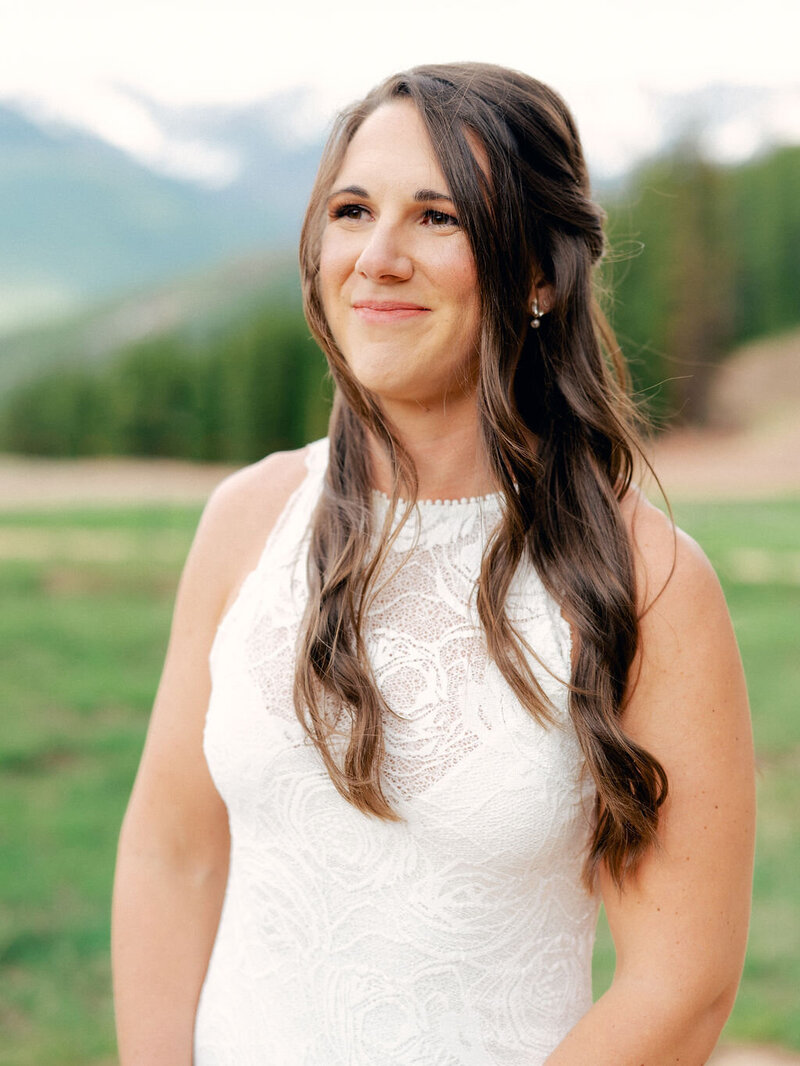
(680, 925)
(173, 852)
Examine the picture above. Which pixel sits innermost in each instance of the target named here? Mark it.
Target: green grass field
(86, 604)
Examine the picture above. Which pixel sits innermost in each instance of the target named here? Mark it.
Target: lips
(388, 310)
(389, 305)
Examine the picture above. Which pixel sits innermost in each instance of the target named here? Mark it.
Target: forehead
(391, 144)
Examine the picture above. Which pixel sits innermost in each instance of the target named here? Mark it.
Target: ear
(542, 291)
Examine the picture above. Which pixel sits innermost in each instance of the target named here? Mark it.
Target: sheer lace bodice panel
(457, 936)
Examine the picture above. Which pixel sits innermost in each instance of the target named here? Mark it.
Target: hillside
(214, 362)
(81, 221)
(759, 385)
(752, 448)
(193, 306)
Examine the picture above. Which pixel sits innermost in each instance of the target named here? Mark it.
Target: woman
(442, 731)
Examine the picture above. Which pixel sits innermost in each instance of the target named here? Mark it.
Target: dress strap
(291, 528)
(316, 456)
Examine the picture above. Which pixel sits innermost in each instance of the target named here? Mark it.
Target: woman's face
(397, 275)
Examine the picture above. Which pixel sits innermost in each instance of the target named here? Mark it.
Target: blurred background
(155, 160)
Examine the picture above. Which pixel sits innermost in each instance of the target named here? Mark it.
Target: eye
(439, 218)
(355, 212)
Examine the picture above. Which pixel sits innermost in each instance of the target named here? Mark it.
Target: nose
(384, 257)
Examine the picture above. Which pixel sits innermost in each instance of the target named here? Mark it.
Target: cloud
(123, 119)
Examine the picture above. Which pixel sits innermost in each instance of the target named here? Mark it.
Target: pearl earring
(537, 314)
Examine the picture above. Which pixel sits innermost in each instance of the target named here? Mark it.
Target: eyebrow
(421, 196)
(424, 196)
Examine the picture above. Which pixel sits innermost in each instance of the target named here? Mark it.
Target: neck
(446, 448)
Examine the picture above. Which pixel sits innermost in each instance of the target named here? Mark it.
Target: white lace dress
(459, 936)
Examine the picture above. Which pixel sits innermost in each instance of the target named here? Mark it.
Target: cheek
(335, 267)
(458, 268)
(466, 294)
(326, 270)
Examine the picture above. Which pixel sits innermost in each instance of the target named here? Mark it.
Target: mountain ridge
(81, 220)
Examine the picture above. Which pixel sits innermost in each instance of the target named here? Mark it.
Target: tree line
(702, 257)
(258, 389)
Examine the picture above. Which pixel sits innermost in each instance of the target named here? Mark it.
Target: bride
(439, 684)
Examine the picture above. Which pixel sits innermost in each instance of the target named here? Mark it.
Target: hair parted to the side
(557, 426)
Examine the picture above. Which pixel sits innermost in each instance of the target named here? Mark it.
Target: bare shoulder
(249, 501)
(688, 677)
(238, 518)
(688, 669)
(670, 566)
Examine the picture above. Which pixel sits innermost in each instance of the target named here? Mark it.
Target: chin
(380, 376)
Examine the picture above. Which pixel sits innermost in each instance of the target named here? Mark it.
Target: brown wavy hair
(557, 426)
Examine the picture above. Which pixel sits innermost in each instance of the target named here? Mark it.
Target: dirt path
(753, 1056)
(35, 483)
(756, 464)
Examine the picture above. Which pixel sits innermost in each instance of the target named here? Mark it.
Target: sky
(95, 62)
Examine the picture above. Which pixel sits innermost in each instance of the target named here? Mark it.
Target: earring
(537, 314)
